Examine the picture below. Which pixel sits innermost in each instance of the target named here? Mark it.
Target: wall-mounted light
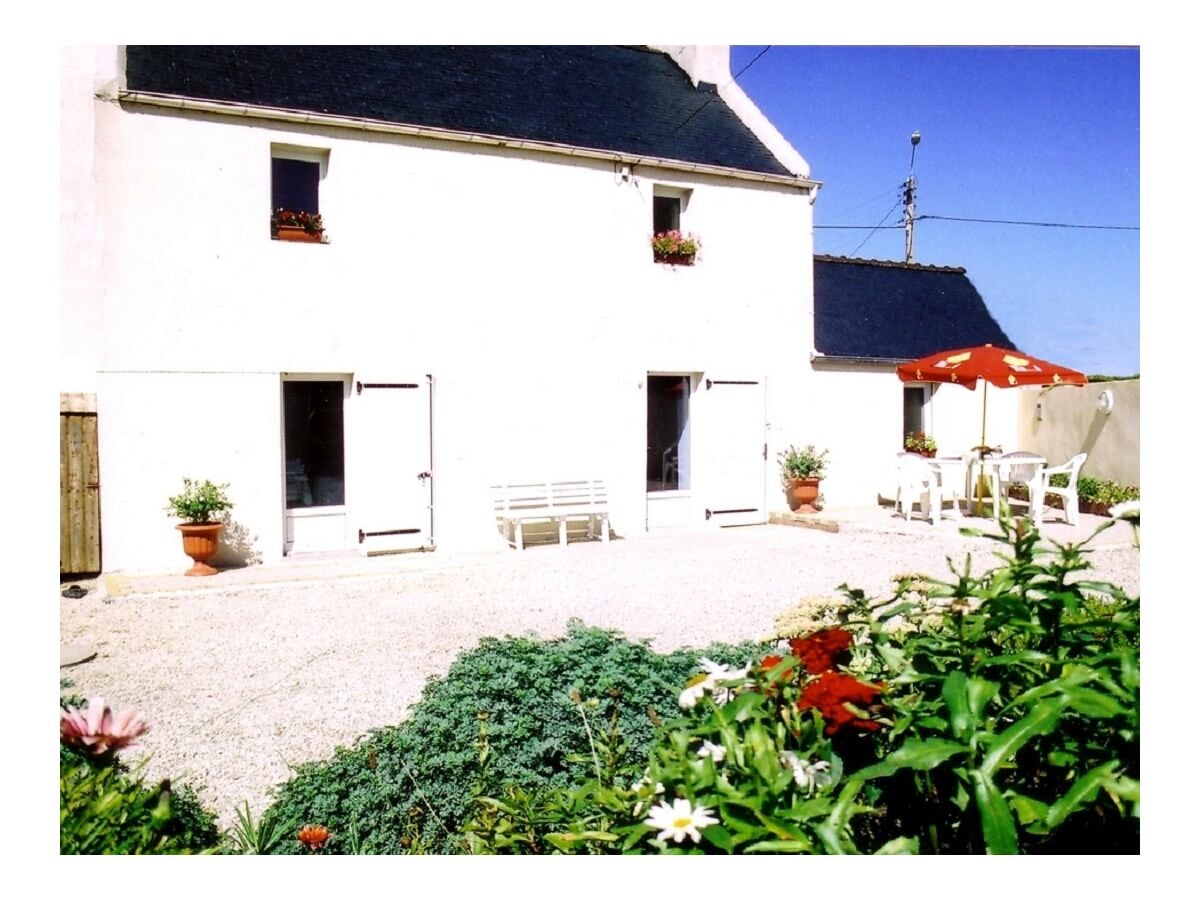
(1038, 412)
(1104, 402)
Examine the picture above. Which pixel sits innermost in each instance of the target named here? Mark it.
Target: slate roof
(890, 310)
(626, 99)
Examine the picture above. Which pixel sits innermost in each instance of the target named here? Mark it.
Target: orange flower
(313, 836)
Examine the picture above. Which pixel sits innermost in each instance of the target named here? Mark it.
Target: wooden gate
(78, 485)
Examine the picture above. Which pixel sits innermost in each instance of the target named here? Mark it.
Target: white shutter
(392, 464)
(733, 450)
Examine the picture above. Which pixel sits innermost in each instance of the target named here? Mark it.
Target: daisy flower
(679, 820)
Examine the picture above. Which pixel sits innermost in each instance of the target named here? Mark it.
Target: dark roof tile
(876, 309)
(624, 99)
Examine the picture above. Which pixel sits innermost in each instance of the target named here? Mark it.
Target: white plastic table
(990, 466)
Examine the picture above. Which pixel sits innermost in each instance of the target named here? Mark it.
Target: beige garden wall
(1070, 422)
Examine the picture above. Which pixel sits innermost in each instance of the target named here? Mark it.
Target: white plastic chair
(1070, 493)
(1010, 471)
(952, 480)
(916, 481)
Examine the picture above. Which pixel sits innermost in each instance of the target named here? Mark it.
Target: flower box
(675, 259)
(674, 248)
(303, 227)
(296, 233)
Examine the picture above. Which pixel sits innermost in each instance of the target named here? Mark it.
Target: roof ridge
(887, 263)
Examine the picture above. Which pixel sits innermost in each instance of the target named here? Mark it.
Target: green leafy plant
(919, 442)
(199, 502)
(802, 463)
(251, 836)
(410, 786)
(105, 808)
(1016, 710)
(1105, 493)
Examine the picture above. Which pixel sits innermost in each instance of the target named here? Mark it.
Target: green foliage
(254, 837)
(409, 787)
(108, 810)
(1016, 711)
(807, 463)
(1010, 724)
(1107, 493)
(199, 502)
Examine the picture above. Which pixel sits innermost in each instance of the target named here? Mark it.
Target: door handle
(423, 476)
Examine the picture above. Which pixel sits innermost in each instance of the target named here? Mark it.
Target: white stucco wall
(857, 412)
(522, 282)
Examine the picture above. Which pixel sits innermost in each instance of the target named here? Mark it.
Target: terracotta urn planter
(802, 493)
(200, 543)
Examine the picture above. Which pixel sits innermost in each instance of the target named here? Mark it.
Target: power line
(988, 222)
(876, 228)
(1038, 224)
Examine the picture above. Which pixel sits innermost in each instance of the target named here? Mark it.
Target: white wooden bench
(557, 502)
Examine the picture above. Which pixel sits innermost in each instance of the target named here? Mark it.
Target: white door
(734, 451)
(392, 464)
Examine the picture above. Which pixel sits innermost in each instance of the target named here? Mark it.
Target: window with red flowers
(296, 175)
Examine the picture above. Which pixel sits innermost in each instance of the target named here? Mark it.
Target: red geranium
(829, 694)
(770, 662)
(819, 651)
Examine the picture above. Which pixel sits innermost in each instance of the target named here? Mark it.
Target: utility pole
(910, 200)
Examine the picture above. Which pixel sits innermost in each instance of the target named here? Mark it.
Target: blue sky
(1035, 134)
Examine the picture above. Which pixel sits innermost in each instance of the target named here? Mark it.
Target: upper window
(666, 213)
(295, 194)
(670, 243)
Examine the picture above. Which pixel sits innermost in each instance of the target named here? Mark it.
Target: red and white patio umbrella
(1000, 366)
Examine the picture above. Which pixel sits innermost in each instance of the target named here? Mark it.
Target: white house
(484, 305)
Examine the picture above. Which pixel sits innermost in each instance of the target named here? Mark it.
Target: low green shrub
(1106, 493)
(409, 787)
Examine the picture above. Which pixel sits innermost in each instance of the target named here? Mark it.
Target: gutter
(820, 360)
(216, 107)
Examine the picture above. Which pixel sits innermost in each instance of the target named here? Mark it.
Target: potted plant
(290, 225)
(920, 442)
(675, 248)
(198, 506)
(801, 472)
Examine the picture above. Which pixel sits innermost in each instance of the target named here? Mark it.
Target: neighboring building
(870, 316)
(484, 306)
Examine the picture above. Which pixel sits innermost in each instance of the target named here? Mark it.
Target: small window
(916, 409)
(671, 242)
(296, 194)
(666, 214)
(294, 185)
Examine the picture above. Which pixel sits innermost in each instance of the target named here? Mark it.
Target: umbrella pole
(982, 444)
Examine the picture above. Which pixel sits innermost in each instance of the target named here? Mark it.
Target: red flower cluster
(313, 836)
(830, 691)
(829, 694)
(819, 652)
(310, 222)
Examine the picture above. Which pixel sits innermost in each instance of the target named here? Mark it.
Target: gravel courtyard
(242, 679)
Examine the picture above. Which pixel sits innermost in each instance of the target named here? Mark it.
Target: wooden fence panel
(79, 486)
